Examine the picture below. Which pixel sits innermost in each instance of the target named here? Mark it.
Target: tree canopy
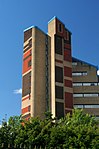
(78, 130)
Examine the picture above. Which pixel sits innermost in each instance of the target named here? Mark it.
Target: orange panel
(27, 54)
(26, 109)
(25, 65)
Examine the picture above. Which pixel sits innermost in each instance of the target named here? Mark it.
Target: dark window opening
(59, 110)
(58, 45)
(58, 74)
(29, 63)
(59, 92)
(26, 84)
(60, 27)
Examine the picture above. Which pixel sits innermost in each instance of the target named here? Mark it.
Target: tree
(78, 130)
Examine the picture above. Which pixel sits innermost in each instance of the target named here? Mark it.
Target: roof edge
(85, 62)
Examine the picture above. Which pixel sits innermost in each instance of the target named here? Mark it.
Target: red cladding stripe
(68, 100)
(25, 65)
(26, 109)
(59, 61)
(67, 71)
(68, 111)
(68, 83)
(57, 28)
(67, 46)
(67, 55)
(26, 54)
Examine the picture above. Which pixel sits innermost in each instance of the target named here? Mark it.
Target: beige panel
(90, 77)
(51, 32)
(27, 41)
(58, 64)
(86, 89)
(33, 73)
(87, 100)
(84, 78)
(59, 100)
(38, 78)
(25, 103)
(59, 57)
(68, 89)
(92, 111)
(59, 84)
(67, 64)
(68, 78)
(25, 114)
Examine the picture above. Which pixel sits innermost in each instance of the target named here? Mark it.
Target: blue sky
(81, 17)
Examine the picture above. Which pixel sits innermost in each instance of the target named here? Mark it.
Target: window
(59, 110)
(77, 95)
(78, 106)
(59, 92)
(74, 63)
(86, 106)
(58, 45)
(60, 28)
(85, 95)
(76, 74)
(29, 108)
(79, 73)
(85, 84)
(58, 74)
(26, 84)
(77, 84)
(29, 63)
(90, 84)
(91, 106)
(91, 95)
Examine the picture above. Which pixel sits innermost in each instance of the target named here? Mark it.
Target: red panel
(67, 46)
(26, 109)
(68, 100)
(68, 83)
(59, 61)
(67, 71)
(57, 30)
(27, 54)
(67, 55)
(68, 111)
(66, 34)
(25, 64)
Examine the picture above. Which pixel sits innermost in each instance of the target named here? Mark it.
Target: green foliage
(71, 132)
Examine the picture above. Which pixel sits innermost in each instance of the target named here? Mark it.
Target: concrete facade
(85, 86)
(51, 79)
(47, 71)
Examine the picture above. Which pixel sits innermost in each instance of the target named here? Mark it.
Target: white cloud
(18, 91)
(98, 72)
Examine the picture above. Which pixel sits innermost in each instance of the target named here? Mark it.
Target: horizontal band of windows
(79, 73)
(86, 84)
(86, 95)
(86, 106)
(74, 63)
